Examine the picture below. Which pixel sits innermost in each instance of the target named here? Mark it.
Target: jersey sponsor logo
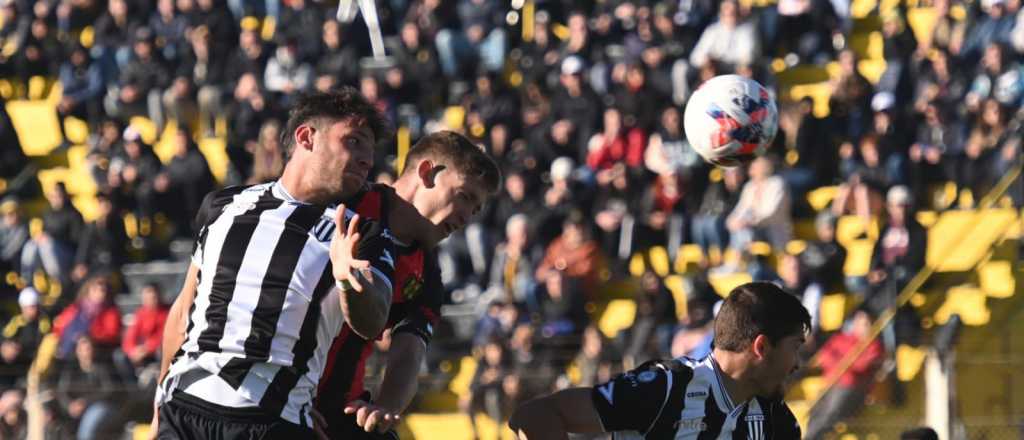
(606, 391)
(411, 288)
(754, 418)
(696, 394)
(647, 376)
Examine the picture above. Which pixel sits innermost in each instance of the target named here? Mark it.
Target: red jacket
(860, 373)
(147, 330)
(104, 330)
(628, 147)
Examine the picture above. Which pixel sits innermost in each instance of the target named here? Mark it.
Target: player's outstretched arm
(555, 415)
(397, 388)
(365, 298)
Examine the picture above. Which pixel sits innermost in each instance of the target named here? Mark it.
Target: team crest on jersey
(411, 288)
(647, 376)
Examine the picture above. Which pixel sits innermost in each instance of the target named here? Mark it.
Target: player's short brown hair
(325, 108)
(758, 309)
(453, 150)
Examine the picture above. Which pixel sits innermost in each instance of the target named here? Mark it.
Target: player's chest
(408, 277)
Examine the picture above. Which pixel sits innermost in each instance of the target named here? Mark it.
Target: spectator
(54, 249)
(82, 84)
(84, 389)
(140, 347)
(762, 210)
(650, 335)
(170, 28)
(729, 42)
(102, 149)
(13, 162)
(816, 158)
(937, 144)
(286, 73)
(13, 235)
(867, 177)
(419, 62)
(997, 77)
(103, 245)
(198, 85)
(949, 32)
(514, 262)
(995, 26)
(985, 140)
(13, 418)
(709, 228)
(594, 360)
(268, 156)
(486, 393)
(140, 83)
(664, 213)
(132, 175)
(561, 305)
(846, 398)
(113, 37)
(303, 22)
(215, 16)
(574, 253)
(250, 57)
(42, 52)
(575, 108)
(851, 97)
(899, 254)
(93, 315)
(21, 338)
(339, 62)
(824, 258)
(669, 151)
(481, 37)
(500, 322)
(246, 115)
(516, 198)
(184, 183)
(797, 280)
(615, 144)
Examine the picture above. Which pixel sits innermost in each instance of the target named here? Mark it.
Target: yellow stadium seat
(51, 177)
(956, 243)
(851, 227)
(688, 254)
(215, 150)
(658, 257)
(996, 279)
(268, 29)
(617, 316)
(872, 69)
(908, 362)
(724, 283)
(146, 128)
(454, 426)
(87, 205)
(164, 147)
(927, 218)
(862, 8)
(637, 265)
(858, 257)
(820, 92)
(141, 432)
(459, 384)
(676, 285)
(821, 198)
(812, 386)
(77, 129)
(832, 312)
(968, 302)
(455, 117)
(922, 22)
(795, 247)
(87, 37)
(36, 88)
(36, 124)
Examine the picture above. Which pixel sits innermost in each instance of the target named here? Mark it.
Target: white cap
(561, 168)
(883, 101)
(899, 195)
(28, 297)
(572, 65)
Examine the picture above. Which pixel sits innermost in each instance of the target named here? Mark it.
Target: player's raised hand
(343, 251)
(372, 418)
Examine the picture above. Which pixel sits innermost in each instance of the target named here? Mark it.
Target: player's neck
(733, 369)
(405, 210)
(300, 188)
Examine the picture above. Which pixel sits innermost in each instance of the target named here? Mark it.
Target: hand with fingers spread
(372, 418)
(343, 252)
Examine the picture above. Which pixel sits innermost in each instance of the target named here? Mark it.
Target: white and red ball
(730, 120)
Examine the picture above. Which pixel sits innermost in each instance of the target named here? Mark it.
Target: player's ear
(428, 172)
(760, 346)
(303, 136)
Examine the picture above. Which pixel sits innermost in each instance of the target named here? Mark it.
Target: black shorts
(187, 417)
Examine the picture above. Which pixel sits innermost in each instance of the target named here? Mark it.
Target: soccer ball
(730, 120)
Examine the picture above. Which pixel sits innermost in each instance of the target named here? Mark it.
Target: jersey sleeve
(423, 312)
(213, 202)
(634, 401)
(377, 246)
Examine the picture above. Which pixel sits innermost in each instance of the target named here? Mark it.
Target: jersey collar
(720, 385)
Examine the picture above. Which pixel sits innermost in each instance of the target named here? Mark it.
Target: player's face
(344, 156)
(781, 360)
(451, 203)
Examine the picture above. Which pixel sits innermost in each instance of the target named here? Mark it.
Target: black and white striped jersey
(266, 306)
(684, 399)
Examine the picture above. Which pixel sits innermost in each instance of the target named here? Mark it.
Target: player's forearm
(401, 377)
(174, 336)
(367, 311)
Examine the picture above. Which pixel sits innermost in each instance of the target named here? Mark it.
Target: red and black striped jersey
(415, 308)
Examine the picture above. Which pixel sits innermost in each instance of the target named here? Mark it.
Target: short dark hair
(919, 434)
(758, 309)
(450, 149)
(333, 106)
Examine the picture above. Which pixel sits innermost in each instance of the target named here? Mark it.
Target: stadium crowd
(582, 109)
